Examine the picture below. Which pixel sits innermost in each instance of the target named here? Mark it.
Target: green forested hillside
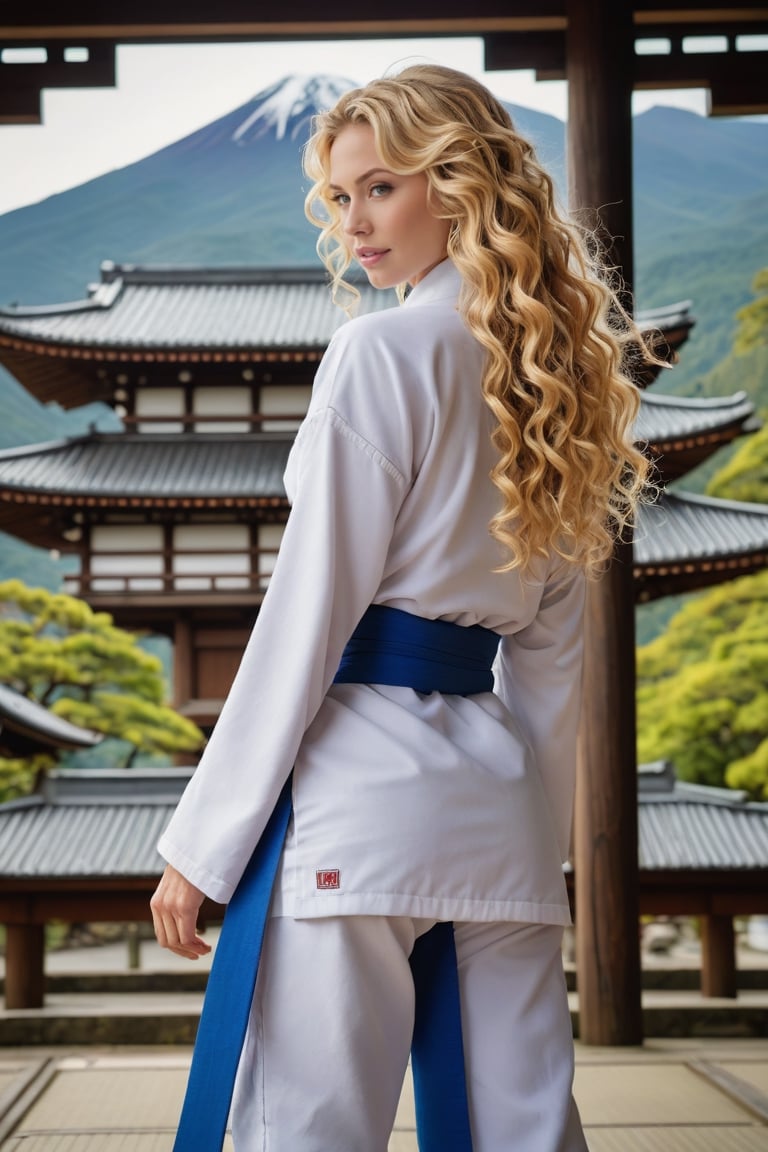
(745, 476)
(703, 688)
(714, 267)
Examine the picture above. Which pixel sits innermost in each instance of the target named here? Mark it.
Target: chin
(380, 279)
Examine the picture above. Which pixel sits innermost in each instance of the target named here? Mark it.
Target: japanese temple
(177, 520)
(601, 48)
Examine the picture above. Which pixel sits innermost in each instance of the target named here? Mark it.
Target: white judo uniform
(408, 808)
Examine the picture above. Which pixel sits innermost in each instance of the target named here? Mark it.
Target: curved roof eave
(32, 721)
(687, 541)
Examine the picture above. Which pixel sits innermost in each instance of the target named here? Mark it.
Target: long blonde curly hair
(558, 341)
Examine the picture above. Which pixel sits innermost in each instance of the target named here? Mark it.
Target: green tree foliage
(56, 650)
(17, 775)
(702, 693)
(753, 317)
(745, 476)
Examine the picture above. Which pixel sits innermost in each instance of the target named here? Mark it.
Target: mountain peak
(285, 107)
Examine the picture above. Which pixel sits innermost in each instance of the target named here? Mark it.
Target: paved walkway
(668, 1096)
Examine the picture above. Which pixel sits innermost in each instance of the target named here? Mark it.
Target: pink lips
(370, 256)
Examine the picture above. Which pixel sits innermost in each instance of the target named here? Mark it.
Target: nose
(355, 221)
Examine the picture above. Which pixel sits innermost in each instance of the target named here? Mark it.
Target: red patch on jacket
(328, 878)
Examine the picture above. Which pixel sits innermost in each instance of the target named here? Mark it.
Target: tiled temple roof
(681, 542)
(664, 419)
(106, 823)
(176, 308)
(681, 433)
(684, 826)
(90, 823)
(687, 541)
(149, 469)
(683, 526)
(194, 308)
(214, 465)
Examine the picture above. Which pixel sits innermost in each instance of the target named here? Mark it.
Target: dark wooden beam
(21, 84)
(703, 70)
(718, 957)
(24, 965)
(737, 78)
(701, 12)
(741, 95)
(675, 577)
(96, 71)
(184, 687)
(540, 51)
(598, 58)
(26, 904)
(147, 22)
(520, 34)
(20, 106)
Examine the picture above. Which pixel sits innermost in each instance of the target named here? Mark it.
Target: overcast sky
(164, 92)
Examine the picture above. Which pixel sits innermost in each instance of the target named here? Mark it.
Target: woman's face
(387, 223)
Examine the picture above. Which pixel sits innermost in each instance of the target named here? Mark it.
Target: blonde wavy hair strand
(558, 342)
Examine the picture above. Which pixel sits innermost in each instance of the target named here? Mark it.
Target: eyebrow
(366, 176)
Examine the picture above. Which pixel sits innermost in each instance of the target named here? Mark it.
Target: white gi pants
(330, 1032)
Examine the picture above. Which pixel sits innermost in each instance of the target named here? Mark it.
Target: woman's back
(408, 382)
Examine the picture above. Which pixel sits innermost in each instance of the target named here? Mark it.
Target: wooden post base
(718, 957)
(24, 965)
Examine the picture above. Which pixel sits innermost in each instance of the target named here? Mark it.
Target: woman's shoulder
(425, 325)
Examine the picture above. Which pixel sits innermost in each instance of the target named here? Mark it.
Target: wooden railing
(254, 420)
(167, 581)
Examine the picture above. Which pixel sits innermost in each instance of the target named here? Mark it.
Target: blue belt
(387, 647)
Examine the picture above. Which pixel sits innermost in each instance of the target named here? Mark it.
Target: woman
(466, 459)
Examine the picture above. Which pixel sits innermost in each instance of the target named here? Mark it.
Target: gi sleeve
(538, 674)
(346, 496)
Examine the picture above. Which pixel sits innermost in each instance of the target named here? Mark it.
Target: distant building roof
(148, 470)
(682, 542)
(27, 727)
(193, 309)
(106, 823)
(682, 432)
(197, 311)
(671, 325)
(685, 826)
(686, 541)
(212, 465)
(90, 823)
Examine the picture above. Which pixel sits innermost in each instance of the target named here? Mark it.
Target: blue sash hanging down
(387, 647)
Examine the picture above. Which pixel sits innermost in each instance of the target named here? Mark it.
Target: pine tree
(57, 651)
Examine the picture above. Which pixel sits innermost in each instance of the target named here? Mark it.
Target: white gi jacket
(448, 807)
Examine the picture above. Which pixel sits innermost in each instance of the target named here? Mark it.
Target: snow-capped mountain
(233, 191)
(287, 108)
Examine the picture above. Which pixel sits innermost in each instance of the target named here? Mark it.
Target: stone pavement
(669, 1096)
(88, 1095)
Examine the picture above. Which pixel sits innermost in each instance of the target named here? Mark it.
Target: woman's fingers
(175, 906)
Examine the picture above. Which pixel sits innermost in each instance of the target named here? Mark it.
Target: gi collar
(442, 283)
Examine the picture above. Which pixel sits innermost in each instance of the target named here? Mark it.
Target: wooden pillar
(599, 55)
(599, 70)
(24, 965)
(183, 662)
(718, 956)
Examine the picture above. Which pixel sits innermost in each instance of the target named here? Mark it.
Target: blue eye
(380, 189)
(341, 198)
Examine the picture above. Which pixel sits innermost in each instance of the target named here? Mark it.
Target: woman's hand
(175, 906)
